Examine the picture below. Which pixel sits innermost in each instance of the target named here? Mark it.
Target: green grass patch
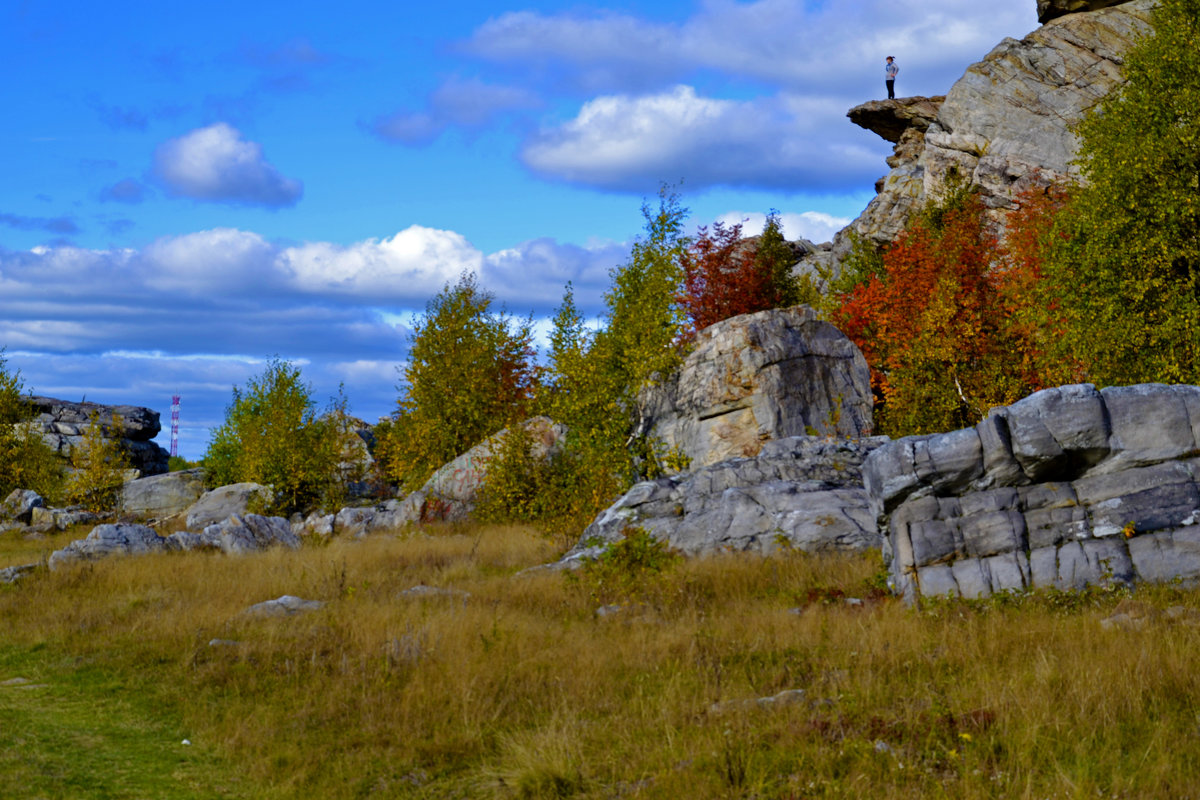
(70, 730)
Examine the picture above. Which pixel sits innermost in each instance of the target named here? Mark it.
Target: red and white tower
(175, 425)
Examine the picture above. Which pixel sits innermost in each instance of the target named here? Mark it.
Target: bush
(470, 373)
(628, 570)
(26, 461)
(99, 467)
(273, 435)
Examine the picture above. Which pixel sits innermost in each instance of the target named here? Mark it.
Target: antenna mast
(175, 425)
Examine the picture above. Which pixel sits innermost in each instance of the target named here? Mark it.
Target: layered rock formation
(802, 492)
(1069, 487)
(758, 377)
(62, 425)
(1004, 127)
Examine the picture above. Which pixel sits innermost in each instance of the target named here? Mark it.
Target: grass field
(523, 690)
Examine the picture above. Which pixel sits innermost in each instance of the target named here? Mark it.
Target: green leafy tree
(470, 373)
(26, 461)
(1126, 274)
(99, 467)
(273, 435)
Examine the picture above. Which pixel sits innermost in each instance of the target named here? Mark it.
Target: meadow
(521, 689)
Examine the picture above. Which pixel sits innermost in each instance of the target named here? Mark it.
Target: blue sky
(189, 189)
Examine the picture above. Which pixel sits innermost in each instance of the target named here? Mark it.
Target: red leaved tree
(725, 275)
(951, 325)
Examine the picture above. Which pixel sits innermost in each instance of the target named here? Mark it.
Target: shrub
(470, 373)
(273, 435)
(98, 467)
(26, 461)
(629, 570)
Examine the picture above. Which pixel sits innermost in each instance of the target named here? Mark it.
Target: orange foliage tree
(952, 324)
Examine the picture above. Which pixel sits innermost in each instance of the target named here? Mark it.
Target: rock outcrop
(225, 501)
(451, 493)
(62, 425)
(801, 492)
(1050, 9)
(1067, 488)
(161, 496)
(757, 377)
(1004, 127)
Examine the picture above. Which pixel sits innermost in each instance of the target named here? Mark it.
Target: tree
(273, 435)
(470, 373)
(725, 275)
(98, 467)
(26, 461)
(944, 323)
(1127, 271)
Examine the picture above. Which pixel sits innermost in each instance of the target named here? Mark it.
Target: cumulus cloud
(466, 103)
(215, 163)
(633, 143)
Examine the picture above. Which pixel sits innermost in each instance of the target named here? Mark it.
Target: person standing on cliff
(890, 72)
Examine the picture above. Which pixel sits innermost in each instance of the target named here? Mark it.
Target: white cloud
(215, 163)
(816, 226)
(416, 261)
(634, 143)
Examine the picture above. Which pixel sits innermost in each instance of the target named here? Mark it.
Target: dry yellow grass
(521, 690)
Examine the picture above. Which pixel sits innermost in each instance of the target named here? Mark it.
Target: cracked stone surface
(758, 377)
(803, 492)
(1067, 488)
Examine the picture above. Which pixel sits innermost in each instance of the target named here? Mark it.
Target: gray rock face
(892, 119)
(19, 505)
(224, 502)
(451, 493)
(1005, 126)
(107, 540)
(804, 492)
(283, 606)
(238, 534)
(1050, 9)
(62, 425)
(164, 495)
(1067, 488)
(758, 377)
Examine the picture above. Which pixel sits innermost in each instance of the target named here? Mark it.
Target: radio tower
(175, 425)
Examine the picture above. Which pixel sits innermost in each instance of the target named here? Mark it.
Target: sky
(190, 189)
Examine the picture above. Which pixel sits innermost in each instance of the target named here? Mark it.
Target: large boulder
(62, 425)
(802, 492)
(107, 540)
(238, 534)
(452, 492)
(1066, 488)
(19, 505)
(162, 496)
(224, 502)
(758, 377)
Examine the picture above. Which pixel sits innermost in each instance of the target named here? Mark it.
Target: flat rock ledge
(1068, 488)
(802, 492)
(892, 118)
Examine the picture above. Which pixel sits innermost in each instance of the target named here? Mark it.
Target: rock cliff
(62, 424)
(1005, 126)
